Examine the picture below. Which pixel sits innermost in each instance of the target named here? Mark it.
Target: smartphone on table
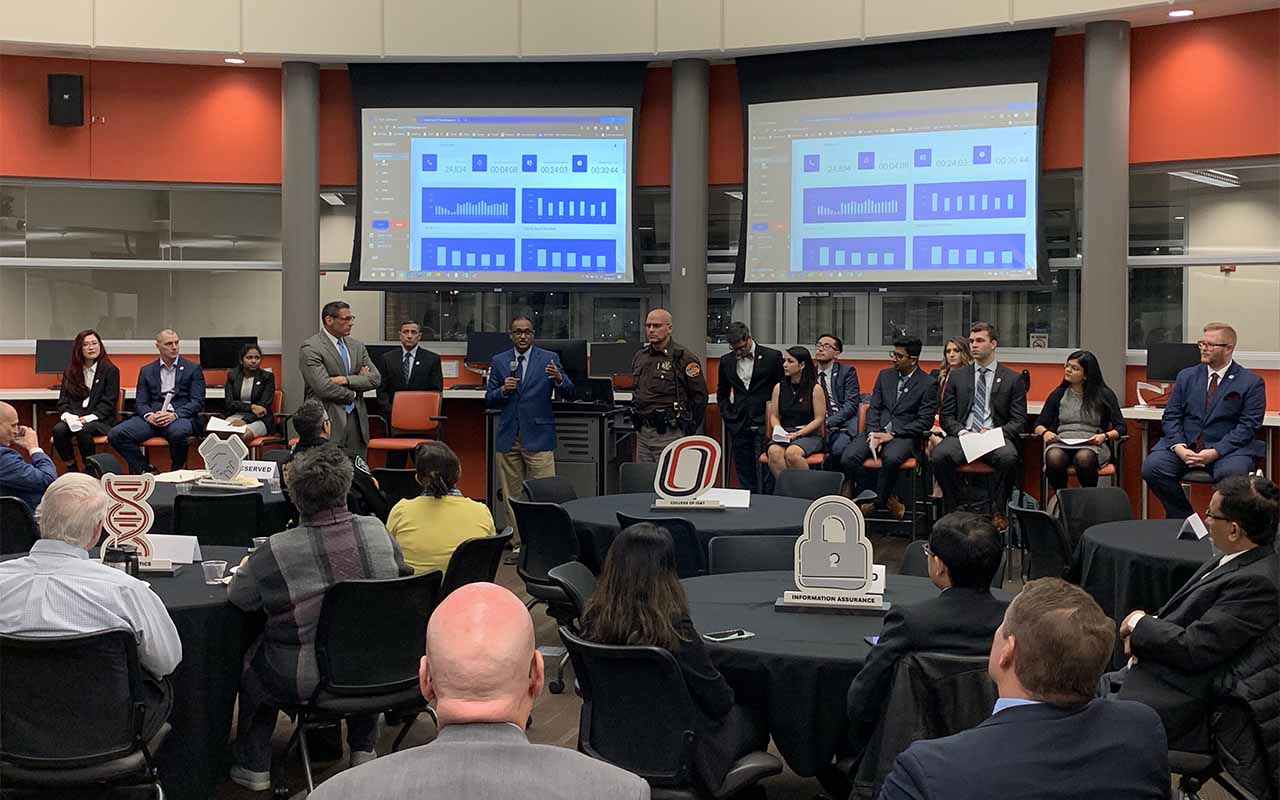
(727, 636)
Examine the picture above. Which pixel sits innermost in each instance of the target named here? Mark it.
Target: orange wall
(1062, 136)
(19, 372)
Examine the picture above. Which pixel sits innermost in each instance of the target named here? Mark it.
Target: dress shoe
(867, 508)
(896, 508)
(253, 781)
(1000, 521)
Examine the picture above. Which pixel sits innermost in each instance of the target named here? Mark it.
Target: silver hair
(320, 478)
(73, 509)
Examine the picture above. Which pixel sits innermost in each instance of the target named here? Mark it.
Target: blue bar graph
(493, 255)
(575, 206)
(971, 200)
(854, 253)
(569, 255)
(997, 251)
(448, 204)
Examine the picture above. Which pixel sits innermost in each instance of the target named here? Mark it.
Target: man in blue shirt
(18, 478)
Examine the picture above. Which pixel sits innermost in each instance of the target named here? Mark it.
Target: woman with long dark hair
(638, 600)
(1080, 419)
(799, 407)
(955, 356)
(431, 526)
(250, 391)
(87, 398)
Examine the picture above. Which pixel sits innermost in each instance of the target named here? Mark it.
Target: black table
(596, 520)
(275, 508)
(1136, 564)
(798, 666)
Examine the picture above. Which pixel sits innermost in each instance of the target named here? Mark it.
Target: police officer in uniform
(670, 392)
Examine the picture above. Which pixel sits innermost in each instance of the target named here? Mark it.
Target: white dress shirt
(58, 590)
(746, 366)
(973, 422)
(1221, 373)
(89, 373)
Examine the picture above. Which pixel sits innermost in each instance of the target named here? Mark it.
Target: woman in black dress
(86, 399)
(638, 600)
(799, 406)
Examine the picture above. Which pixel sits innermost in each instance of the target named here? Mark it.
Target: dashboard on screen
(497, 196)
(913, 187)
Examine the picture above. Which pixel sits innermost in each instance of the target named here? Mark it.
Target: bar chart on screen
(469, 254)
(468, 205)
(571, 206)
(569, 255)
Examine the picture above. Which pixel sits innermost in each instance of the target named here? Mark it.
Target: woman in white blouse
(86, 399)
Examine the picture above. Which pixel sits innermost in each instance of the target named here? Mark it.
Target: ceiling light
(1179, 218)
(233, 60)
(1224, 180)
(333, 198)
(1181, 12)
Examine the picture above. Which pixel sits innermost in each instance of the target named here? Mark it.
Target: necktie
(520, 369)
(346, 362)
(826, 391)
(902, 383)
(1213, 387)
(408, 367)
(980, 400)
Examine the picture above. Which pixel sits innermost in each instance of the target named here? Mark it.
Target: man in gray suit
(337, 370)
(482, 670)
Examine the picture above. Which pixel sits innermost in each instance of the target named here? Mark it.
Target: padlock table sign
(687, 468)
(835, 569)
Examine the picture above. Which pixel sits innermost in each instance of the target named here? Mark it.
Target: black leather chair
(18, 529)
(556, 489)
(632, 689)
(751, 554)
(397, 484)
(475, 560)
(224, 519)
(1047, 552)
(808, 484)
(636, 477)
(1194, 770)
(578, 583)
(72, 714)
(1082, 508)
(370, 638)
(548, 539)
(101, 464)
(915, 561)
(691, 559)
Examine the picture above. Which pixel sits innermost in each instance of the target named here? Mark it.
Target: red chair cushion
(393, 443)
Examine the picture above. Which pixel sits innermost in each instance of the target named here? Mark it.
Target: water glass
(213, 571)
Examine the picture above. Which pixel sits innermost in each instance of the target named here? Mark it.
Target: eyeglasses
(896, 356)
(522, 332)
(346, 319)
(1211, 515)
(825, 346)
(1204, 345)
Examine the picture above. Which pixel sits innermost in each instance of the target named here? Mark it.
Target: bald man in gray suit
(484, 674)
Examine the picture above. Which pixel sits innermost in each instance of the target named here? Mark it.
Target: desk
(596, 520)
(1136, 564)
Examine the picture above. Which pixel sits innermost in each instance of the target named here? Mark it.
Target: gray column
(300, 213)
(764, 317)
(689, 92)
(1104, 286)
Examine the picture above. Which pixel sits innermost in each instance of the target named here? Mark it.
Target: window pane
(818, 315)
(220, 225)
(933, 319)
(617, 319)
(719, 315)
(551, 313)
(13, 221)
(1202, 206)
(1155, 306)
(1060, 213)
(97, 222)
(1041, 318)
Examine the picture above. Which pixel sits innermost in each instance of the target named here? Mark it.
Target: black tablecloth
(798, 666)
(274, 507)
(596, 521)
(1136, 564)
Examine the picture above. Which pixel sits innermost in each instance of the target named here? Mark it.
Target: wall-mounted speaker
(66, 99)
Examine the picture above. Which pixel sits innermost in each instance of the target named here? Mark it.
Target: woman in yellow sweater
(431, 526)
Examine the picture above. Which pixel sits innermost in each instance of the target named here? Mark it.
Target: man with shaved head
(25, 481)
(670, 393)
(168, 403)
(483, 672)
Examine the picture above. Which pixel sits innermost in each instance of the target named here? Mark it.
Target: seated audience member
(168, 403)
(25, 481)
(839, 383)
(412, 368)
(800, 407)
(979, 398)
(249, 393)
(59, 590)
(955, 356)
(1082, 407)
(311, 422)
(1230, 602)
(287, 578)
(483, 673)
(964, 555)
(638, 600)
(431, 526)
(900, 412)
(1211, 422)
(86, 399)
(1048, 737)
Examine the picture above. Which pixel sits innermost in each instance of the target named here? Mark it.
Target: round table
(1136, 564)
(596, 520)
(274, 507)
(798, 666)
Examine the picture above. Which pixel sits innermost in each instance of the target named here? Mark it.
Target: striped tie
(979, 416)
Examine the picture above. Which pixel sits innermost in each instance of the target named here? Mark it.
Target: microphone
(514, 366)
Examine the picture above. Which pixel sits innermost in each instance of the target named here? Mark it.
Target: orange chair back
(277, 403)
(413, 411)
(119, 404)
(862, 416)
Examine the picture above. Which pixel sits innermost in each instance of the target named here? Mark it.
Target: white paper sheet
(729, 498)
(780, 435)
(73, 421)
(220, 425)
(1074, 442)
(977, 445)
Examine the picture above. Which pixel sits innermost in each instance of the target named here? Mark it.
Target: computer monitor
(53, 356)
(482, 346)
(573, 356)
(222, 352)
(1167, 359)
(611, 358)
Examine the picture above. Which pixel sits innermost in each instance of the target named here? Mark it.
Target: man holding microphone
(521, 383)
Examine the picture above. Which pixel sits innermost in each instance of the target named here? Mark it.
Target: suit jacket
(24, 481)
(188, 390)
(102, 396)
(319, 360)
(426, 376)
(1105, 749)
(910, 412)
(743, 407)
(263, 394)
(527, 410)
(847, 394)
(1008, 401)
(1233, 419)
(1196, 634)
(484, 760)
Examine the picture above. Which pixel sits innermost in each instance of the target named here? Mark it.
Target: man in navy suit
(168, 402)
(1048, 736)
(521, 383)
(900, 413)
(748, 373)
(25, 481)
(1210, 423)
(840, 383)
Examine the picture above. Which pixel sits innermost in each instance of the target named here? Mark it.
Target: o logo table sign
(687, 468)
(835, 569)
(129, 516)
